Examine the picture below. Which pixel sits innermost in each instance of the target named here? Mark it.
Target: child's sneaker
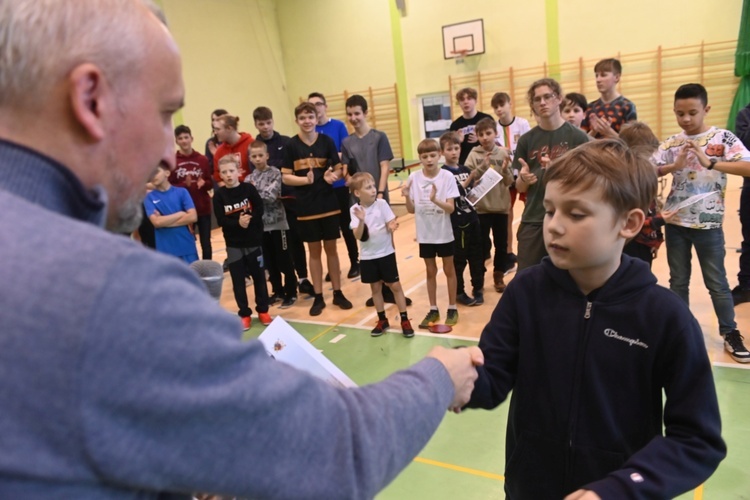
(340, 300)
(306, 287)
(740, 295)
(288, 302)
(497, 276)
(465, 300)
(433, 317)
(381, 327)
(478, 298)
(734, 346)
(273, 299)
(406, 328)
(246, 322)
(451, 319)
(317, 307)
(265, 318)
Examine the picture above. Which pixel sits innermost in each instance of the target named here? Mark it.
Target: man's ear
(633, 222)
(89, 97)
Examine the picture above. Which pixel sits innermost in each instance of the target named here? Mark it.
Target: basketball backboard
(463, 39)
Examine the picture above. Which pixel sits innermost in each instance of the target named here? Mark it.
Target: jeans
(709, 246)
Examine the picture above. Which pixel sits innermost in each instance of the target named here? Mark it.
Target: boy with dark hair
(239, 212)
(373, 223)
(277, 258)
(311, 165)
(429, 194)
(493, 207)
(611, 111)
(336, 130)
(550, 139)
(193, 173)
(464, 124)
(465, 222)
(172, 212)
(589, 344)
(574, 108)
(699, 159)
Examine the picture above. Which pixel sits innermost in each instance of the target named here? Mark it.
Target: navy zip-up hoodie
(587, 376)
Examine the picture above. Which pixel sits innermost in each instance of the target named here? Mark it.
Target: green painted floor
(465, 458)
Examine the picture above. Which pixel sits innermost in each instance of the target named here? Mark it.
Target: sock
(433, 308)
(319, 296)
(452, 306)
(381, 315)
(337, 292)
(404, 317)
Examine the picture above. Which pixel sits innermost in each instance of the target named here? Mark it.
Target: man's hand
(461, 365)
(525, 173)
(245, 220)
(583, 495)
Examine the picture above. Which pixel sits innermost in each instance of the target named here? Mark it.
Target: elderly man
(117, 371)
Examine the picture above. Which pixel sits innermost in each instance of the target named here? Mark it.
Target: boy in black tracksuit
(588, 343)
(239, 212)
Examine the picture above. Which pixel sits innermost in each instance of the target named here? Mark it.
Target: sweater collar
(43, 181)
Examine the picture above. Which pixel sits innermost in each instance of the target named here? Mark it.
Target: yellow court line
(698, 493)
(458, 468)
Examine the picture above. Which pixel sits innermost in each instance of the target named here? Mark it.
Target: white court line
(335, 339)
(741, 366)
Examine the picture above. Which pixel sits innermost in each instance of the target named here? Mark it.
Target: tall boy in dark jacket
(588, 343)
(239, 212)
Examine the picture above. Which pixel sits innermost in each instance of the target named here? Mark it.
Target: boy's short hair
(164, 167)
(357, 100)
(305, 107)
(449, 138)
(226, 159)
(610, 65)
(318, 95)
(639, 137)
(182, 129)
(219, 112)
(628, 179)
(467, 92)
(499, 99)
(230, 121)
(262, 113)
(692, 91)
(358, 180)
(549, 82)
(428, 146)
(258, 145)
(574, 99)
(485, 124)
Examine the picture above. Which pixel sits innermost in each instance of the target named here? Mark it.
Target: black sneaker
(274, 298)
(328, 278)
(381, 327)
(465, 300)
(318, 306)
(734, 346)
(306, 287)
(407, 329)
(354, 271)
(369, 302)
(340, 300)
(478, 299)
(740, 295)
(288, 302)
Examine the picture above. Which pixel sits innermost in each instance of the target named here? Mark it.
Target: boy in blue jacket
(588, 343)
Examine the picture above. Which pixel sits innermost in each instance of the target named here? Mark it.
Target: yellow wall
(232, 59)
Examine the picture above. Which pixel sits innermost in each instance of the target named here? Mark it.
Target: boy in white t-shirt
(372, 222)
(430, 194)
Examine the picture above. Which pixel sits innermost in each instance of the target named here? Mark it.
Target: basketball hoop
(459, 55)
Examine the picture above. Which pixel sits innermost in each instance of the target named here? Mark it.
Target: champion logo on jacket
(609, 332)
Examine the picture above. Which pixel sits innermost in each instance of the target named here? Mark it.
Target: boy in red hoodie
(234, 143)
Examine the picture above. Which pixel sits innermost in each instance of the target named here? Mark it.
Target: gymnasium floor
(465, 458)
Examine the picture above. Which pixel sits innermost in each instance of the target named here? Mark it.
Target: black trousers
(342, 195)
(296, 245)
(468, 250)
(248, 263)
(744, 275)
(278, 262)
(204, 233)
(498, 225)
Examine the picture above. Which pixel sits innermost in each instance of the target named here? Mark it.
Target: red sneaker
(380, 327)
(246, 322)
(265, 318)
(406, 328)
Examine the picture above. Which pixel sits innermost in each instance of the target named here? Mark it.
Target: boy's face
(355, 116)
(160, 177)
(451, 152)
(487, 138)
(582, 232)
(307, 122)
(222, 132)
(184, 141)
(320, 106)
(573, 114)
(546, 102)
(468, 104)
(504, 112)
(430, 161)
(265, 128)
(367, 193)
(259, 158)
(690, 114)
(229, 174)
(606, 81)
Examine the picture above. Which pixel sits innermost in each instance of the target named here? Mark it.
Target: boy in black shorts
(311, 165)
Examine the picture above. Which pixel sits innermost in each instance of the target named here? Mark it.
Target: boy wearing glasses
(535, 150)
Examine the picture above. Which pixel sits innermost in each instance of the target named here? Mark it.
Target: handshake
(461, 365)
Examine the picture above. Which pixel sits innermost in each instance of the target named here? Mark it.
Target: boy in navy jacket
(588, 343)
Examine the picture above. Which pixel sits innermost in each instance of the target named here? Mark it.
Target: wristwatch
(711, 163)
(381, 192)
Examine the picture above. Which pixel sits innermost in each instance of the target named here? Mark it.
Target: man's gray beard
(128, 217)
